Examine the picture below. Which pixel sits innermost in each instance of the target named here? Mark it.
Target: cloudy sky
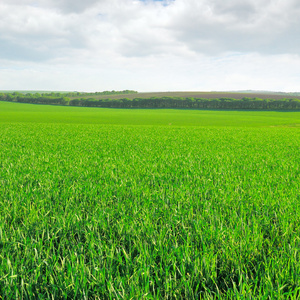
(167, 45)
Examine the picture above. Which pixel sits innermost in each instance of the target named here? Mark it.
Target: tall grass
(149, 212)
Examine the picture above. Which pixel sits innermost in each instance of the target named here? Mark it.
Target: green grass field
(28, 113)
(148, 204)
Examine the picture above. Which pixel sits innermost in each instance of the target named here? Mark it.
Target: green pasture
(28, 113)
(191, 205)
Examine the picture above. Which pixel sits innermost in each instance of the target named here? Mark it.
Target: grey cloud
(73, 6)
(214, 27)
(245, 11)
(15, 51)
(209, 27)
(36, 34)
(131, 28)
(140, 46)
(65, 6)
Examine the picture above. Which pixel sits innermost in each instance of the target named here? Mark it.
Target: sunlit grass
(148, 212)
(29, 113)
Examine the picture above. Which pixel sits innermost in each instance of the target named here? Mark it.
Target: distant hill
(187, 100)
(239, 94)
(207, 95)
(268, 92)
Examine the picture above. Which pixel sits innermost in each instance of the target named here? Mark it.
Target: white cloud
(149, 45)
(214, 27)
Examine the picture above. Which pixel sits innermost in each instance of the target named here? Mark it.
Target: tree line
(155, 102)
(35, 98)
(192, 103)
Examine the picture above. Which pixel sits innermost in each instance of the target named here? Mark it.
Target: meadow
(148, 204)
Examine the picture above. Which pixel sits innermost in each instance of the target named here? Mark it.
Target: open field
(148, 204)
(207, 95)
(28, 113)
